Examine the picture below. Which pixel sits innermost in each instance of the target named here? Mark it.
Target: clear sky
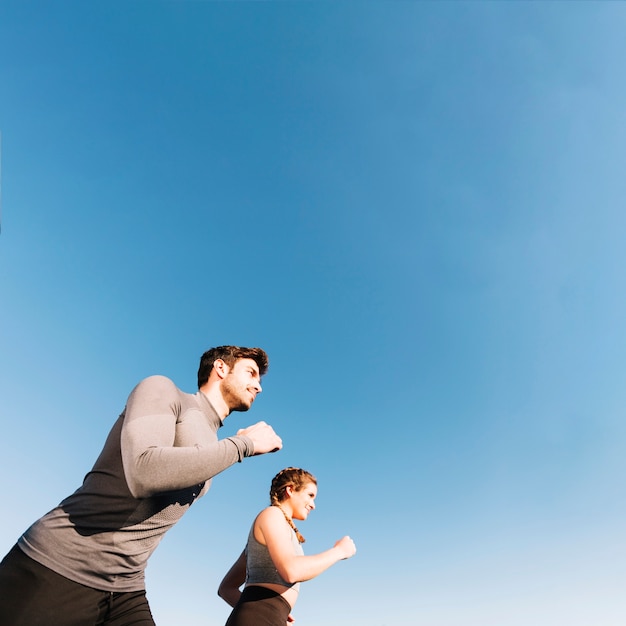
(416, 208)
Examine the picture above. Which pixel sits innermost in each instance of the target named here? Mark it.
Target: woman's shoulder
(270, 517)
(266, 521)
(269, 514)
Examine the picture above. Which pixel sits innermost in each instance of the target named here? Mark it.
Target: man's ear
(220, 367)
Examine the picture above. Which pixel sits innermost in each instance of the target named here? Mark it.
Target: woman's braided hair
(295, 478)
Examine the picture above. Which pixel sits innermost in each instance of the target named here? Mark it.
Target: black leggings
(33, 595)
(259, 606)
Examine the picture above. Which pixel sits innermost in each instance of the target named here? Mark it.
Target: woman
(273, 563)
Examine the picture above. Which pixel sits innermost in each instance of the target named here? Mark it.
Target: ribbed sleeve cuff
(244, 446)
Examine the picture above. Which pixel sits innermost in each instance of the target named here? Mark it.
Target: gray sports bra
(259, 565)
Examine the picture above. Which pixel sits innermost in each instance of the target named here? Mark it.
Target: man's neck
(217, 402)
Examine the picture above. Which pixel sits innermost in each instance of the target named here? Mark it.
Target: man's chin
(241, 408)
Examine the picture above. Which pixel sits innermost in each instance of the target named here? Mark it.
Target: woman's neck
(289, 520)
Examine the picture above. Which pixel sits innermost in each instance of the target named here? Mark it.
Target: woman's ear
(289, 491)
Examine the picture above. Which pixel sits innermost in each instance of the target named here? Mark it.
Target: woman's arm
(276, 534)
(235, 577)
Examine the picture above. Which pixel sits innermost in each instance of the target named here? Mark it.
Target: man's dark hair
(230, 354)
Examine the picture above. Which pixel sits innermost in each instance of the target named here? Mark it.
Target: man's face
(241, 385)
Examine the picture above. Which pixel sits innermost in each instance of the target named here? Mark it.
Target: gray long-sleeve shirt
(159, 457)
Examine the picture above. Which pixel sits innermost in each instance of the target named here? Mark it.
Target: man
(83, 563)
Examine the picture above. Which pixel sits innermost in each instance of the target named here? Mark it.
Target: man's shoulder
(158, 385)
(158, 380)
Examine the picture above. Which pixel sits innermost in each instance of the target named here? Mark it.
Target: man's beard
(233, 397)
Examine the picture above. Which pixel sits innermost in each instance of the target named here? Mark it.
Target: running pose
(82, 564)
(273, 564)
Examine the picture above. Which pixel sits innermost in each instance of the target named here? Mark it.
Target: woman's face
(302, 501)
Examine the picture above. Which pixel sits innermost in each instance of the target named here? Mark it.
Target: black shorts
(259, 606)
(33, 595)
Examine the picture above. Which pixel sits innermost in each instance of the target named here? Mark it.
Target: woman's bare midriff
(289, 593)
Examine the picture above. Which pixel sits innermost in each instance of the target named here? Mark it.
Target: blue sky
(416, 208)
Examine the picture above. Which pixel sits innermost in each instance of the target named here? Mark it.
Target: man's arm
(151, 462)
